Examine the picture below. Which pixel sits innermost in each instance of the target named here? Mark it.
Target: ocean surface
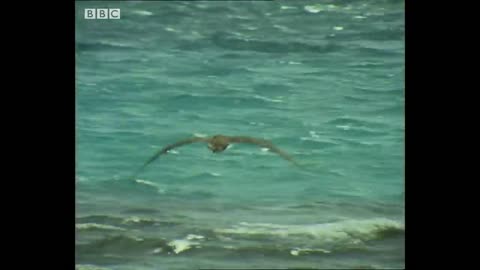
(322, 80)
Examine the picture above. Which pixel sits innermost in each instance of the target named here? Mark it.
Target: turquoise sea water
(322, 80)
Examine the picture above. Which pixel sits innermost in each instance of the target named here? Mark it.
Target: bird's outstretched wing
(167, 148)
(262, 143)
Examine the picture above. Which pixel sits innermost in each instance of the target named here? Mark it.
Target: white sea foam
(151, 184)
(287, 7)
(87, 226)
(180, 245)
(251, 28)
(157, 250)
(142, 12)
(319, 7)
(145, 182)
(284, 28)
(313, 134)
(352, 231)
(201, 135)
(89, 267)
(256, 123)
(298, 251)
(313, 9)
(359, 17)
(344, 127)
(135, 219)
(194, 236)
(268, 99)
(115, 43)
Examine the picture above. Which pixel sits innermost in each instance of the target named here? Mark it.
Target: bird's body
(219, 143)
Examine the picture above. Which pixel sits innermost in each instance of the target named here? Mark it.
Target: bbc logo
(102, 13)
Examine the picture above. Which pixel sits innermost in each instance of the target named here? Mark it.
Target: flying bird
(217, 144)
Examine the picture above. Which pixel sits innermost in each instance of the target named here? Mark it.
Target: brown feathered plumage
(219, 143)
